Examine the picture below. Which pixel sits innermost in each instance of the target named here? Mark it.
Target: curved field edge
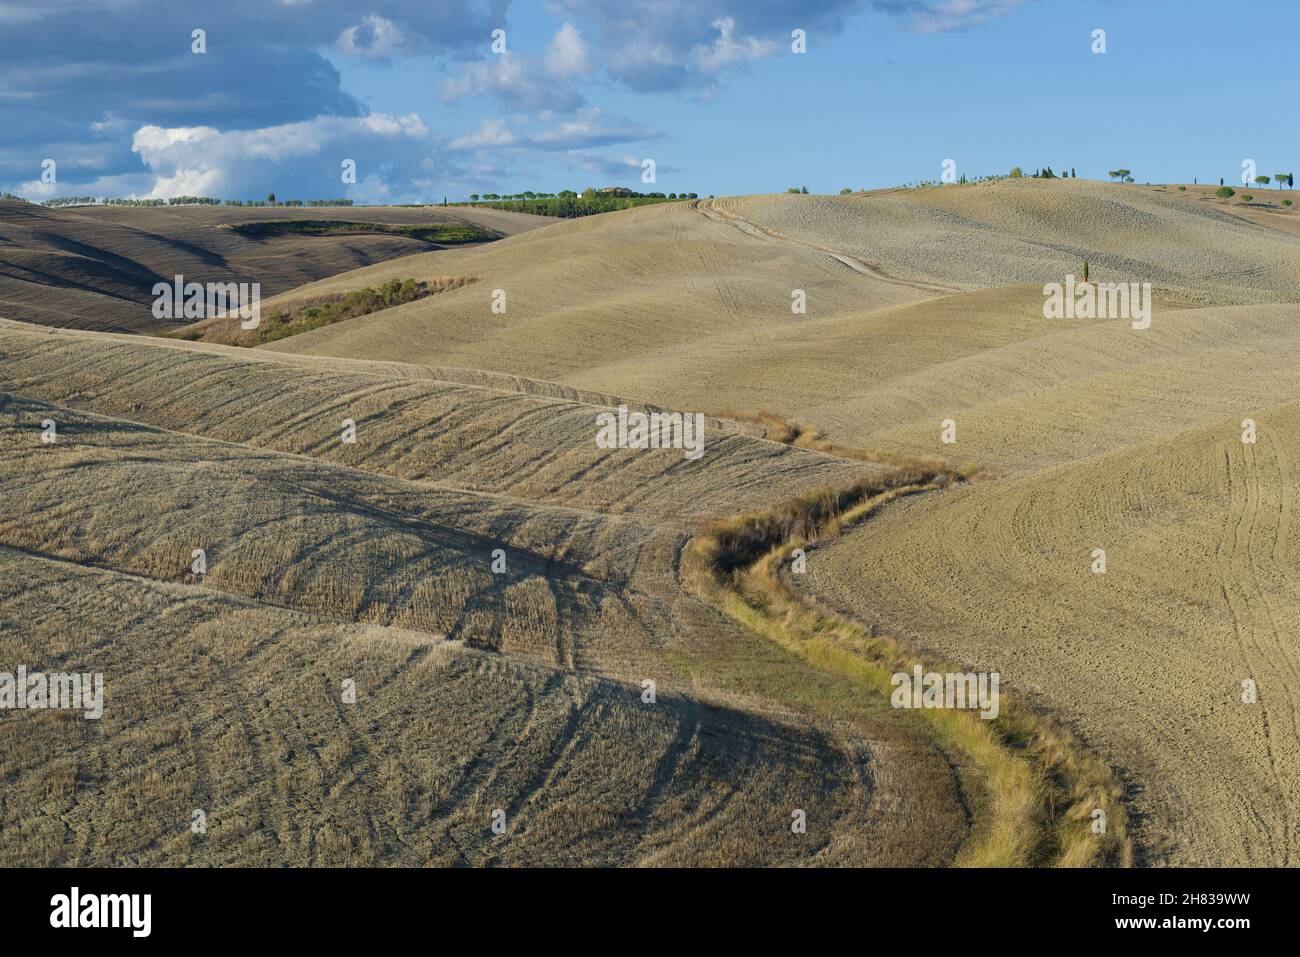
(1041, 784)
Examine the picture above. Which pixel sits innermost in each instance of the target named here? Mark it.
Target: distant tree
(845, 191)
(1017, 172)
(270, 197)
(1072, 173)
(474, 197)
(1283, 178)
(1129, 179)
(793, 189)
(1262, 180)
(804, 190)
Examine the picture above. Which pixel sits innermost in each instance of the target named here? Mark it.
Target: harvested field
(475, 431)
(303, 542)
(1147, 659)
(233, 708)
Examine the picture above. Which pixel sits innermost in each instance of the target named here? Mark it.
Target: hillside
(475, 431)
(94, 267)
(1093, 435)
(326, 561)
(699, 291)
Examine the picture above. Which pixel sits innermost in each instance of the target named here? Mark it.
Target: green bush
(1246, 197)
(395, 292)
(1286, 202)
(1182, 189)
(1223, 192)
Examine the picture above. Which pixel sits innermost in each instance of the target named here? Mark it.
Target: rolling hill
(94, 267)
(475, 431)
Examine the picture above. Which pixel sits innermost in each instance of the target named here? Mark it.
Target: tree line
(568, 204)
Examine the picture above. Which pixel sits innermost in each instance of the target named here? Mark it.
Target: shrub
(1182, 189)
(1286, 202)
(322, 311)
(1246, 197)
(1223, 192)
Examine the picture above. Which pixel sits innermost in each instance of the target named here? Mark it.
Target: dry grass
(303, 548)
(1101, 437)
(235, 708)
(1146, 660)
(479, 437)
(1042, 785)
(778, 429)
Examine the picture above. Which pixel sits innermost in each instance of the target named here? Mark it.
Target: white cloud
(374, 38)
(528, 83)
(566, 54)
(555, 132)
(491, 133)
(945, 15)
(200, 160)
(727, 50)
(692, 44)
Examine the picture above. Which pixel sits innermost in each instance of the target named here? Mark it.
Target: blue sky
(587, 89)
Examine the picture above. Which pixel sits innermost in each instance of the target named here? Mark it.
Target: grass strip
(1043, 785)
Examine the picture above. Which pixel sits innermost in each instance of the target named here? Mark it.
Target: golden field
(522, 689)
